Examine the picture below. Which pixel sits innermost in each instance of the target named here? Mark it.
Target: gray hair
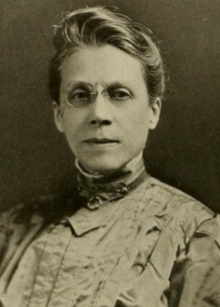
(98, 26)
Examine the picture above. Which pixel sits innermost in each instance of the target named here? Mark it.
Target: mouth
(101, 141)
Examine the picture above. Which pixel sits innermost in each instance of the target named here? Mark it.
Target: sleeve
(195, 279)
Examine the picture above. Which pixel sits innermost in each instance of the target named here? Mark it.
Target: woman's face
(110, 117)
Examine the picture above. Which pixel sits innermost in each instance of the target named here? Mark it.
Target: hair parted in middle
(98, 26)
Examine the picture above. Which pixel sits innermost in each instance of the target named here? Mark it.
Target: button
(124, 190)
(94, 202)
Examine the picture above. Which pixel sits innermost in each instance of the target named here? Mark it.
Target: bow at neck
(101, 188)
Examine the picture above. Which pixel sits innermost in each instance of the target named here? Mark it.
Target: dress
(122, 243)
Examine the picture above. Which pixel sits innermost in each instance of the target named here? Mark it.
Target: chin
(103, 166)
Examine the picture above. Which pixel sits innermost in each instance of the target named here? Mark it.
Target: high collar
(99, 188)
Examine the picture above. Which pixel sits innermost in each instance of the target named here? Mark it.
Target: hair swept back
(98, 26)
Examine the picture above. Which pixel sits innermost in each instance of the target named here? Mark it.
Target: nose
(101, 111)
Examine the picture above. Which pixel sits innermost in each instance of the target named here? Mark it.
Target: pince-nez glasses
(85, 94)
(80, 97)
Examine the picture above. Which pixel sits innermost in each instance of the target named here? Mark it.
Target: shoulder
(10, 227)
(45, 209)
(173, 208)
(169, 193)
(166, 194)
(48, 207)
(26, 219)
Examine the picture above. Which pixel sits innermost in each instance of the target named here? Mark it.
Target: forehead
(105, 64)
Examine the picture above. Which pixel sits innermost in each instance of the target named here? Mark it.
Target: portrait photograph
(110, 153)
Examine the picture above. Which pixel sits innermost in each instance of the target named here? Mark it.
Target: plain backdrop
(184, 150)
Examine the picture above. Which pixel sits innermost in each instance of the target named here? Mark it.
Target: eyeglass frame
(93, 94)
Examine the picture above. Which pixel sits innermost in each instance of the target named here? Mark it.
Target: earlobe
(155, 113)
(58, 119)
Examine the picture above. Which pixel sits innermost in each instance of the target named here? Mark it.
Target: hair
(98, 26)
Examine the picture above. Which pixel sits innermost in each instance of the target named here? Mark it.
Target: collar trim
(102, 189)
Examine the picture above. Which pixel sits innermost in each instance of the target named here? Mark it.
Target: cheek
(71, 127)
(138, 119)
(137, 127)
(72, 119)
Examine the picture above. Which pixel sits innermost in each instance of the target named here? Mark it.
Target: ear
(155, 113)
(58, 116)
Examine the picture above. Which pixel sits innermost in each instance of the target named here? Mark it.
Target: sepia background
(185, 148)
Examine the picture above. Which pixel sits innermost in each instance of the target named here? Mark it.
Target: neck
(107, 187)
(132, 168)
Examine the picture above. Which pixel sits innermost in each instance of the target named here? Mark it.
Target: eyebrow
(80, 83)
(117, 84)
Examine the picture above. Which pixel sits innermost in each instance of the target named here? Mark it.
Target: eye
(119, 94)
(78, 97)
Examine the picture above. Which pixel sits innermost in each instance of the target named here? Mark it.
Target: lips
(100, 141)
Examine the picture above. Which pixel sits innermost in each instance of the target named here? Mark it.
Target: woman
(124, 238)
